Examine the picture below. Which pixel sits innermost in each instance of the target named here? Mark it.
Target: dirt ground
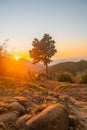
(41, 93)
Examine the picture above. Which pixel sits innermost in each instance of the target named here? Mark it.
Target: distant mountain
(72, 67)
(57, 61)
(31, 67)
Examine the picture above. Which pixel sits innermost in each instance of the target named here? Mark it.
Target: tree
(43, 50)
(3, 55)
(3, 46)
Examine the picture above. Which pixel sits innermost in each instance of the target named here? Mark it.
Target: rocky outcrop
(54, 117)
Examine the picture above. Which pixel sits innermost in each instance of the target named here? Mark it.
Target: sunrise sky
(65, 20)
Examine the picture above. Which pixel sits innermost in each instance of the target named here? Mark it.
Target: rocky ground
(23, 103)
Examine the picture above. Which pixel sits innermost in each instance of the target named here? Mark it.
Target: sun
(17, 57)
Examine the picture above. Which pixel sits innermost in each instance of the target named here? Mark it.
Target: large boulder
(54, 117)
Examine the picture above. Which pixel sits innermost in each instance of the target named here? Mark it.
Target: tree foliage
(3, 55)
(3, 47)
(43, 50)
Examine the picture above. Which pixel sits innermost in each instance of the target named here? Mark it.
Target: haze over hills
(31, 67)
(18, 67)
(61, 60)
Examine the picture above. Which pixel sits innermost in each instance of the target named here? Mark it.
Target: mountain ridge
(69, 66)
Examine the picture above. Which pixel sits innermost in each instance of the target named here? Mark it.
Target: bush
(65, 77)
(82, 78)
(41, 76)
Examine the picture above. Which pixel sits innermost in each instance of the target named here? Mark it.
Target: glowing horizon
(17, 57)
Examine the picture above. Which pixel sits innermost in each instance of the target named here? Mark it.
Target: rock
(78, 114)
(71, 128)
(3, 110)
(23, 101)
(17, 107)
(54, 117)
(73, 121)
(9, 117)
(2, 126)
(21, 122)
(26, 93)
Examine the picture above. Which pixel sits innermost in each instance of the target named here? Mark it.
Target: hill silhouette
(71, 67)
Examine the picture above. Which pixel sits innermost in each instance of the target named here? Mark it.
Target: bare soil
(41, 93)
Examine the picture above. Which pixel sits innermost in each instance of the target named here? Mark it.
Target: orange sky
(68, 51)
(65, 20)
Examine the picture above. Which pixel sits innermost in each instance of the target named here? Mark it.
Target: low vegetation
(82, 77)
(72, 72)
(65, 77)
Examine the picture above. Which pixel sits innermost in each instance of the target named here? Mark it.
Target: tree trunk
(47, 70)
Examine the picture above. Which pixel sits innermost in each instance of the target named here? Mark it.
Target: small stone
(71, 128)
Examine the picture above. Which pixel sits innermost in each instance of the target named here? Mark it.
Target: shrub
(65, 77)
(82, 77)
(41, 76)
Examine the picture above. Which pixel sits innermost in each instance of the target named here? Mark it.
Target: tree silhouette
(3, 55)
(43, 50)
(3, 46)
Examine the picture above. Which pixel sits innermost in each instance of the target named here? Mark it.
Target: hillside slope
(72, 67)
